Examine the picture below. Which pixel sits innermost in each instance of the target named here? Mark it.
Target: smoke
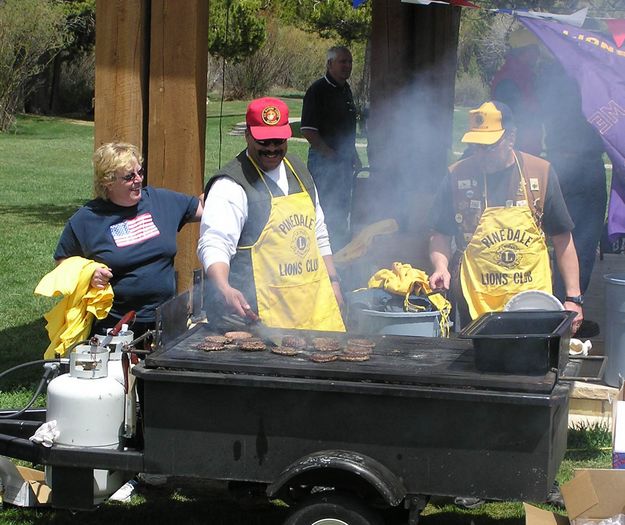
(409, 144)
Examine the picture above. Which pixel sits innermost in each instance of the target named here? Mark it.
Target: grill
(394, 360)
(418, 407)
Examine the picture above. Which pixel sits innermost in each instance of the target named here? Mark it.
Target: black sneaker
(468, 503)
(587, 330)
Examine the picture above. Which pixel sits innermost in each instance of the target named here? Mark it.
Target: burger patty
(252, 345)
(294, 341)
(319, 357)
(354, 357)
(208, 346)
(238, 335)
(366, 343)
(357, 350)
(219, 339)
(326, 344)
(285, 350)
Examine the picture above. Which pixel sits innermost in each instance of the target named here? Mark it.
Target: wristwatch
(577, 299)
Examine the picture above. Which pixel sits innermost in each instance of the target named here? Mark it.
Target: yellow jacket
(70, 320)
(404, 280)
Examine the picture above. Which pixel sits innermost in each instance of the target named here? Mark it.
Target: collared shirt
(329, 109)
(225, 214)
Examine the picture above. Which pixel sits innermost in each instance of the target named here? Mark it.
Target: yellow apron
(293, 289)
(506, 255)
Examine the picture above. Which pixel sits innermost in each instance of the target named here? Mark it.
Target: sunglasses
(129, 177)
(270, 142)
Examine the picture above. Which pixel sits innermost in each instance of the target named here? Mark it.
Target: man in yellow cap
(264, 244)
(499, 204)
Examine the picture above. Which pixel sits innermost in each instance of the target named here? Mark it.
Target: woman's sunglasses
(129, 177)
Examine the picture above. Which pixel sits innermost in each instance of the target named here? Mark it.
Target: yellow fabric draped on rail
(405, 280)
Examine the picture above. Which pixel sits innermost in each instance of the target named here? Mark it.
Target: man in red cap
(263, 241)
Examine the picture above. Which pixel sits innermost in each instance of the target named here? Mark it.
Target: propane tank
(115, 346)
(88, 407)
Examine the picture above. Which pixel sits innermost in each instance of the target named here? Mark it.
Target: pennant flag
(617, 28)
(459, 3)
(599, 69)
(576, 19)
(424, 2)
(464, 3)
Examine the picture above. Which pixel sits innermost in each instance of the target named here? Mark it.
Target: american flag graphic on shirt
(134, 231)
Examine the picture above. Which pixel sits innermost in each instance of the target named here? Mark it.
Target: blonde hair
(109, 158)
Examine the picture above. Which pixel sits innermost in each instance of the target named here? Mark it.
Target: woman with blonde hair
(131, 229)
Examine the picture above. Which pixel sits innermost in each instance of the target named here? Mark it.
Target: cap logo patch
(271, 115)
(479, 120)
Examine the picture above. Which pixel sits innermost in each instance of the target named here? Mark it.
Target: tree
(332, 19)
(31, 33)
(80, 23)
(484, 34)
(236, 30)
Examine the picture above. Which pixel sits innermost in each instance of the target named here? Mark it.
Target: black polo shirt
(330, 110)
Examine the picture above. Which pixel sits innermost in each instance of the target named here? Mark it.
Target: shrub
(255, 75)
(470, 90)
(77, 85)
(290, 58)
(302, 57)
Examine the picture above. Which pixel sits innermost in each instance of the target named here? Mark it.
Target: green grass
(45, 175)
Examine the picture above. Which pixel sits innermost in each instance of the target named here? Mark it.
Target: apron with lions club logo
(506, 255)
(293, 289)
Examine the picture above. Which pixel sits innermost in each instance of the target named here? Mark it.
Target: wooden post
(177, 110)
(119, 73)
(413, 64)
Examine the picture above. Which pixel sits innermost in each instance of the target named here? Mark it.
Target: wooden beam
(177, 110)
(413, 64)
(119, 74)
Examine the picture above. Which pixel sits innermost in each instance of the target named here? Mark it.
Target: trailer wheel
(333, 509)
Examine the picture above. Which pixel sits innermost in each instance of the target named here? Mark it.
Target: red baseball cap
(268, 118)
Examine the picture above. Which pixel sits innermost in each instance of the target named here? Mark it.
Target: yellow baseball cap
(488, 123)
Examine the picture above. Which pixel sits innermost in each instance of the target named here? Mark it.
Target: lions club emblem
(271, 115)
(299, 242)
(508, 256)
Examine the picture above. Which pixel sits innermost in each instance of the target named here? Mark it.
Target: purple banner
(598, 65)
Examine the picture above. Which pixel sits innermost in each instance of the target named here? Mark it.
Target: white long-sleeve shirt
(225, 214)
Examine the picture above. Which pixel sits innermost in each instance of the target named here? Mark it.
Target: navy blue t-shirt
(138, 244)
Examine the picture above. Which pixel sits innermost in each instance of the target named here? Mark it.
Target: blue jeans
(334, 181)
(583, 186)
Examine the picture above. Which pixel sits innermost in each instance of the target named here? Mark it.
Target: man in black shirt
(329, 125)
